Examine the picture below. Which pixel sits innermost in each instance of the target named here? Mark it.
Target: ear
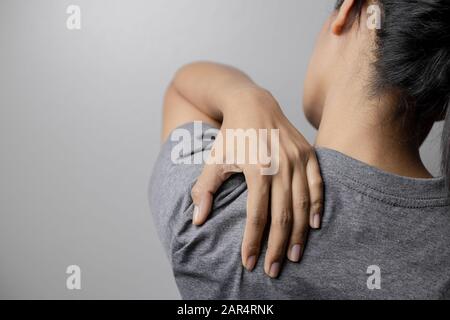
(343, 17)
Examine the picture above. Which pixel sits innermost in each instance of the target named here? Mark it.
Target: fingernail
(251, 262)
(294, 255)
(274, 270)
(195, 216)
(316, 222)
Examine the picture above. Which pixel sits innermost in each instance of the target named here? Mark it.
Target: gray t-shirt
(383, 236)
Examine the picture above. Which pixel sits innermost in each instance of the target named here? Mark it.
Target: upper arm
(178, 110)
(197, 253)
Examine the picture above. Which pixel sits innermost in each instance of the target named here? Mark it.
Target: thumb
(209, 181)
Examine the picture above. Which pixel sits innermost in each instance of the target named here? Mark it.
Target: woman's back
(382, 237)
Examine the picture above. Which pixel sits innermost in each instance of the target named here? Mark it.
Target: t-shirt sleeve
(177, 168)
(204, 259)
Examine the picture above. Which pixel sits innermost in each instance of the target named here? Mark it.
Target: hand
(294, 193)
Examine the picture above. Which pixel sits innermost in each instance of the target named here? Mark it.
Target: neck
(363, 129)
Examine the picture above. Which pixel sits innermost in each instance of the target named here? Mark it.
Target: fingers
(257, 213)
(211, 178)
(281, 223)
(300, 207)
(315, 191)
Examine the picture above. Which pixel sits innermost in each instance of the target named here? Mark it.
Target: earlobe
(342, 17)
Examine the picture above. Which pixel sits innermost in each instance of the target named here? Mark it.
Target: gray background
(80, 120)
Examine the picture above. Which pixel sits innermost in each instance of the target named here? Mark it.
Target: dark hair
(413, 60)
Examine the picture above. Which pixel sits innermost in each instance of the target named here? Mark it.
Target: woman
(373, 95)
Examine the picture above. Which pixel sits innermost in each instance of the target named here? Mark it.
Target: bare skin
(336, 101)
(290, 201)
(350, 120)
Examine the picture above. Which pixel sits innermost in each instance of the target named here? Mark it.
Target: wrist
(250, 98)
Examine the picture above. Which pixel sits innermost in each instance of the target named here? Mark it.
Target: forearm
(212, 88)
(211, 93)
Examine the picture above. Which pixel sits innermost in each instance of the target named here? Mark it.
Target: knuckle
(257, 220)
(196, 192)
(250, 247)
(304, 151)
(307, 149)
(283, 159)
(317, 183)
(283, 219)
(296, 153)
(301, 203)
(222, 171)
(317, 205)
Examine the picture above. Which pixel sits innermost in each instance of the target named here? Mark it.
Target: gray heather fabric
(399, 224)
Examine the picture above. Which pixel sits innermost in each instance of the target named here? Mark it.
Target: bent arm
(202, 91)
(226, 98)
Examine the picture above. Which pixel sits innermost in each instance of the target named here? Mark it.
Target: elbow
(192, 69)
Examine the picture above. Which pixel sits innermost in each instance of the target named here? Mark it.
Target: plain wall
(80, 121)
